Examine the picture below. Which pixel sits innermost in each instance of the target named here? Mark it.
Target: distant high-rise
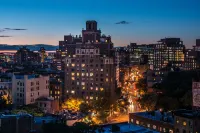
(168, 51)
(197, 42)
(89, 64)
(24, 55)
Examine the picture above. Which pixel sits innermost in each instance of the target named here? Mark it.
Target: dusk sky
(47, 21)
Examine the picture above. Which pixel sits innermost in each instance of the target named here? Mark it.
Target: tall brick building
(89, 64)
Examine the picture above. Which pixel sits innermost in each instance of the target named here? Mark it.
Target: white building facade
(27, 88)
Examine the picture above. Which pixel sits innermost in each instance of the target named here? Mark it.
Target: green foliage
(148, 101)
(176, 91)
(30, 109)
(84, 108)
(2, 103)
(102, 116)
(101, 104)
(142, 85)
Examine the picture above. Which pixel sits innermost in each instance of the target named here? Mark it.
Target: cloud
(123, 22)
(2, 30)
(4, 36)
(13, 29)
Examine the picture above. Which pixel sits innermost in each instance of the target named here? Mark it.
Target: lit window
(96, 98)
(154, 126)
(67, 64)
(72, 92)
(91, 88)
(83, 87)
(148, 125)
(73, 65)
(77, 83)
(77, 74)
(91, 97)
(73, 78)
(102, 70)
(87, 97)
(96, 88)
(83, 65)
(83, 74)
(50, 92)
(101, 89)
(184, 123)
(137, 122)
(91, 74)
(73, 74)
(58, 92)
(82, 83)
(106, 79)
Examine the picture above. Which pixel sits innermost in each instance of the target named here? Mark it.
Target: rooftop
(127, 128)
(188, 113)
(158, 116)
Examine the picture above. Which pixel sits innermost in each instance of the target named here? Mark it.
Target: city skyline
(45, 22)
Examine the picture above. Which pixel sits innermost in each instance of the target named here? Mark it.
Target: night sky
(47, 21)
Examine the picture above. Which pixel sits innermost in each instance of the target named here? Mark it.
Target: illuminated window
(83, 65)
(87, 97)
(154, 126)
(50, 92)
(67, 64)
(72, 92)
(73, 78)
(96, 98)
(148, 125)
(184, 123)
(83, 87)
(91, 88)
(96, 88)
(73, 74)
(83, 74)
(106, 79)
(77, 74)
(91, 74)
(73, 65)
(82, 83)
(137, 122)
(58, 92)
(101, 89)
(102, 70)
(91, 98)
(77, 83)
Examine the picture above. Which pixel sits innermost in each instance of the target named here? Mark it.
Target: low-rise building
(187, 121)
(26, 88)
(16, 123)
(48, 105)
(157, 121)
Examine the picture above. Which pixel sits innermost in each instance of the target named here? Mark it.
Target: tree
(142, 85)
(2, 103)
(148, 101)
(72, 104)
(84, 108)
(102, 116)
